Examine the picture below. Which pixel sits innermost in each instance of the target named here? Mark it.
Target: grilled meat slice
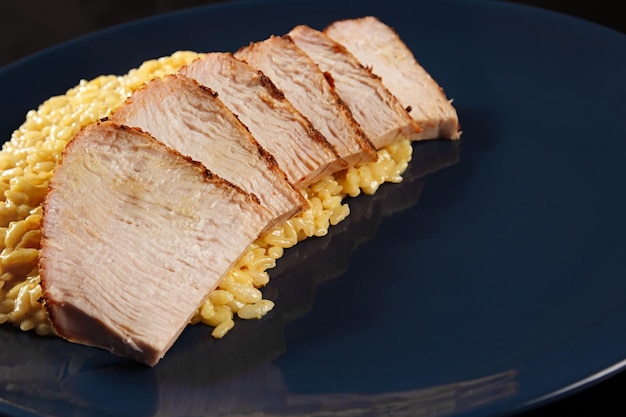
(135, 235)
(191, 119)
(378, 46)
(306, 87)
(381, 116)
(300, 150)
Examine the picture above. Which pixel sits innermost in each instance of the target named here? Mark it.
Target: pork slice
(380, 48)
(306, 87)
(300, 150)
(381, 116)
(191, 119)
(135, 235)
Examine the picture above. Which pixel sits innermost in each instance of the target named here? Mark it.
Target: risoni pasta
(29, 158)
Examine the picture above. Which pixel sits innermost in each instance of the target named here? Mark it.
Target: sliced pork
(381, 116)
(191, 119)
(306, 87)
(135, 235)
(300, 150)
(378, 46)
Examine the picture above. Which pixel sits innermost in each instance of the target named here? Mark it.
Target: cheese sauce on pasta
(29, 158)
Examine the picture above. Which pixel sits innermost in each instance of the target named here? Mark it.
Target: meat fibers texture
(379, 113)
(190, 118)
(378, 46)
(135, 236)
(311, 93)
(300, 150)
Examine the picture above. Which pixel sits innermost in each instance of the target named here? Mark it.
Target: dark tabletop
(32, 25)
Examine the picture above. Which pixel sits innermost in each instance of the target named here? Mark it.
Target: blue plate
(490, 281)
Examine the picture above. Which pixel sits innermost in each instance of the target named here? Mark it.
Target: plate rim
(571, 389)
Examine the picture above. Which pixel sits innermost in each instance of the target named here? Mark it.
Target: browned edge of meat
(337, 163)
(380, 48)
(201, 126)
(381, 116)
(311, 92)
(301, 151)
(73, 296)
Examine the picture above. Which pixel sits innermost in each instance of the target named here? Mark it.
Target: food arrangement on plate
(137, 204)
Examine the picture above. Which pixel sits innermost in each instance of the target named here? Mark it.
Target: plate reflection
(201, 376)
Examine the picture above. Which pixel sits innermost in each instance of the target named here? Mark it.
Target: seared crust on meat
(301, 152)
(271, 87)
(379, 113)
(315, 134)
(200, 125)
(312, 93)
(381, 50)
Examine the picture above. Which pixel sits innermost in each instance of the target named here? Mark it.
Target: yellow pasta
(29, 158)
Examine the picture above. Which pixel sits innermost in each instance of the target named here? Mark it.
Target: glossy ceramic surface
(490, 280)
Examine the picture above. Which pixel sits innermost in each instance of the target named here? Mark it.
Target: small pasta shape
(27, 162)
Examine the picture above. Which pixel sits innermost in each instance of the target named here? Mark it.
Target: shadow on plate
(202, 376)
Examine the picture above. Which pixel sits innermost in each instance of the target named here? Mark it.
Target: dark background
(28, 26)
